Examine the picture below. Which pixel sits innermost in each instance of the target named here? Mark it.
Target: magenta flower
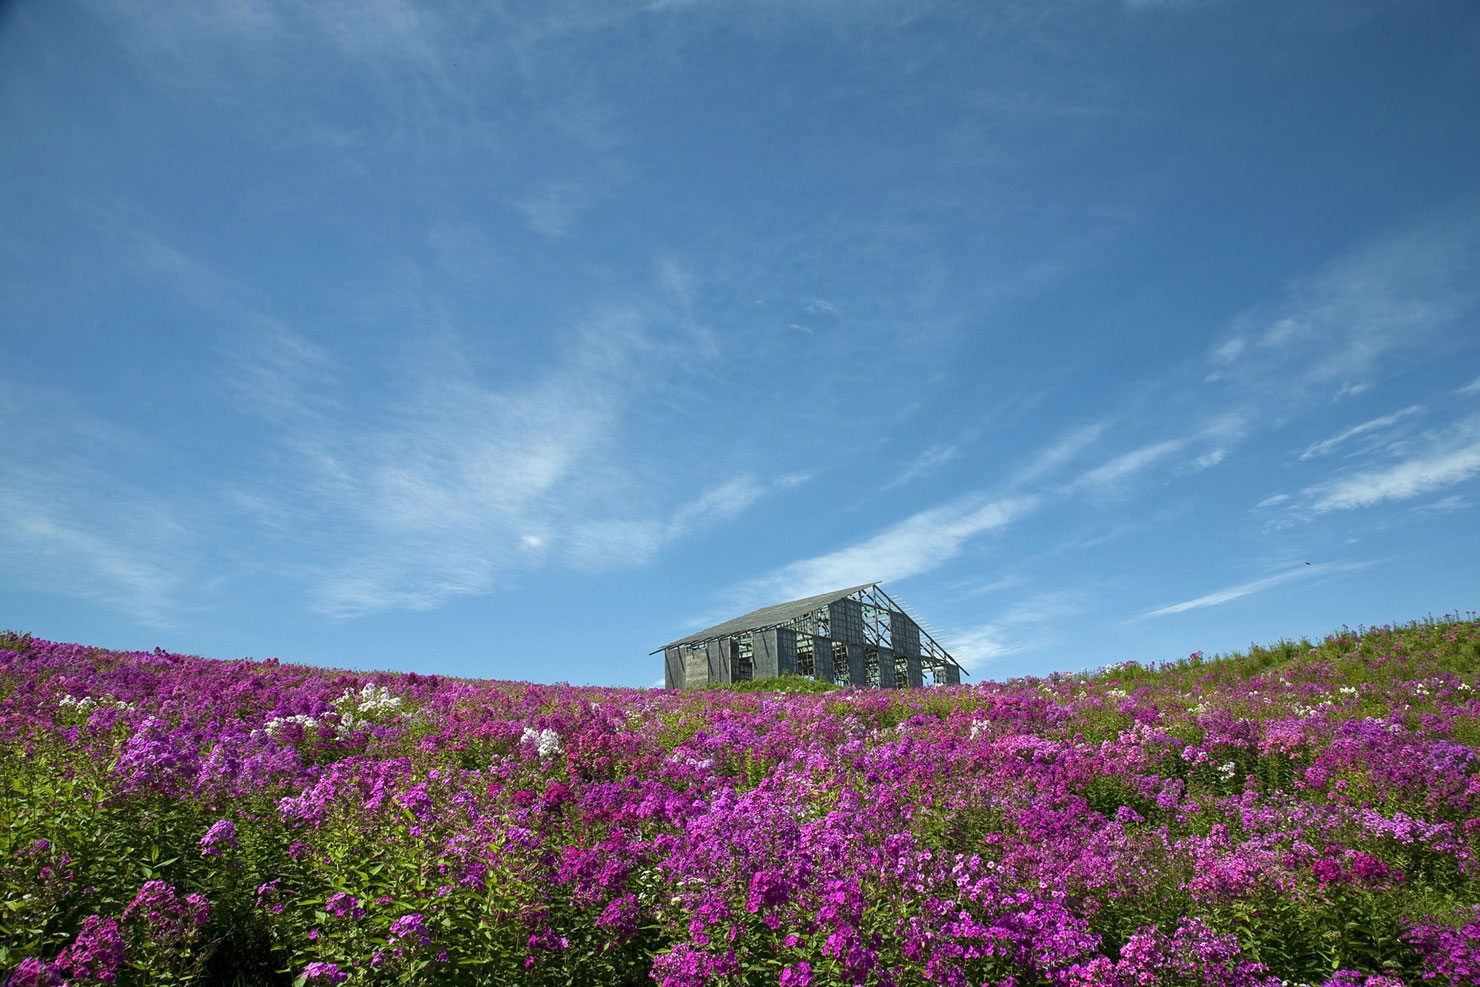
(323, 973)
(166, 919)
(36, 973)
(97, 953)
(797, 976)
(343, 904)
(221, 835)
(410, 928)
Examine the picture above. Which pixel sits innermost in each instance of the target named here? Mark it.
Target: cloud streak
(915, 545)
(1059, 454)
(1325, 446)
(133, 562)
(924, 464)
(1124, 466)
(1334, 328)
(453, 483)
(1229, 593)
(1408, 479)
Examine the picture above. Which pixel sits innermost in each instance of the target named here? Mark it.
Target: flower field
(1307, 813)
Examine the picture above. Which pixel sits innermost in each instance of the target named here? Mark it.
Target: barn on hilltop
(856, 636)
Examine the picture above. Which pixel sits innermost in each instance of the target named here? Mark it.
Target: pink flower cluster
(1222, 823)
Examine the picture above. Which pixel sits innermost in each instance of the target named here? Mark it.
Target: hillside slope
(1303, 813)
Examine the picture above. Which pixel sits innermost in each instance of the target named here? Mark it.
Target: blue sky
(514, 340)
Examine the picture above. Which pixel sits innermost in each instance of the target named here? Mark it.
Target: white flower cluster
(372, 702)
(276, 724)
(547, 740)
(1226, 770)
(88, 702)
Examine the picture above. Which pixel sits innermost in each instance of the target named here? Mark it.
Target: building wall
(719, 661)
(845, 620)
(904, 634)
(695, 669)
(786, 651)
(774, 652)
(763, 654)
(822, 658)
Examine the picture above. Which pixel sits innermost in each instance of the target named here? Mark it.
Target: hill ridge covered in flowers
(1304, 813)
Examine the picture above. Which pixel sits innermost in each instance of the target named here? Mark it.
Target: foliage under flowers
(1303, 814)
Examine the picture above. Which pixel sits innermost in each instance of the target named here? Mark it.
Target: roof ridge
(741, 623)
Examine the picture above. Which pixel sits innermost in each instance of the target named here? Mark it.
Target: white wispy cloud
(1326, 445)
(1229, 350)
(1059, 453)
(1413, 477)
(1334, 328)
(1285, 331)
(1444, 505)
(595, 546)
(1228, 593)
(434, 497)
(132, 558)
(917, 544)
(1473, 387)
(1040, 607)
(279, 374)
(553, 210)
(981, 644)
(926, 463)
(71, 520)
(454, 483)
(1124, 466)
(1025, 625)
(400, 47)
(1208, 459)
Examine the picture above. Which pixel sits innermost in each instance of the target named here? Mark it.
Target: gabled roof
(779, 613)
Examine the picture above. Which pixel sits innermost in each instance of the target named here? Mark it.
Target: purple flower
(1327, 871)
(342, 904)
(166, 919)
(323, 973)
(621, 916)
(36, 973)
(797, 976)
(221, 835)
(96, 953)
(1369, 870)
(410, 927)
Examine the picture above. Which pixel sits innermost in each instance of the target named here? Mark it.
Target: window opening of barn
(840, 664)
(871, 665)
(875, 623)
(742, 658)
(806, 660)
